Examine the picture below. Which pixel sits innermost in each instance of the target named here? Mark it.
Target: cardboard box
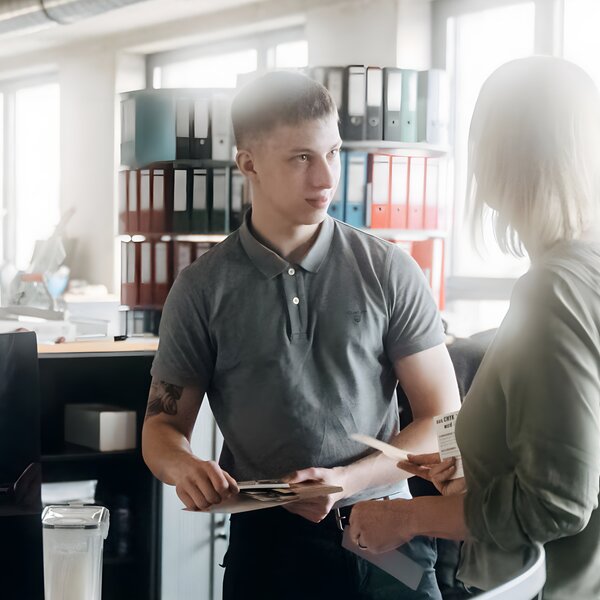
(100, 426)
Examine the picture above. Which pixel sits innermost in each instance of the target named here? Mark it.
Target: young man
(297, 327)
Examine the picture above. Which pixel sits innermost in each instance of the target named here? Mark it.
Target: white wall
(87, 88)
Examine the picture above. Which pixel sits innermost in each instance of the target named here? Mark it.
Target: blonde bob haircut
(534, 154)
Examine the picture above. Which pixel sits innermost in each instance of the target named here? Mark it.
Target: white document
(387, 449)
(444, 427)
(394, 562)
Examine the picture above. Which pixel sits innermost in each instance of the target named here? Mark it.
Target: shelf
(183, 163)
(406, 235)
(396, 148)
(73, 452)
(211, 238)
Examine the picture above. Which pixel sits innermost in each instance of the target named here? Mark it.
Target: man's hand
(202, 483)
(316, 509)
(381, 525)
(430, 467)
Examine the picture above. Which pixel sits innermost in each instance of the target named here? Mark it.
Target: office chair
(526, 584)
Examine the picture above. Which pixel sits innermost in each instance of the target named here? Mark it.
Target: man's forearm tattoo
(163, 398)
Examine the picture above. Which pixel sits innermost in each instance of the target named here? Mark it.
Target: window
(289, 55)
(211, 71)
(479, 36)
(30, 167)
(581, 40)
(481, 42)
(219, 65)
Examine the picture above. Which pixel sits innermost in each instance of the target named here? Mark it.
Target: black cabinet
(125, 485)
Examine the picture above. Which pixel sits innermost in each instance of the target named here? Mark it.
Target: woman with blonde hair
(529, 428)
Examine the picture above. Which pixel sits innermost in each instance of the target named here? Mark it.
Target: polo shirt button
(296, 300)
(291, 271)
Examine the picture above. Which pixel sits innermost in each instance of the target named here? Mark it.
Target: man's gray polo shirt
(296, 357)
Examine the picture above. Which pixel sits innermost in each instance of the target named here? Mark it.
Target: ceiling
(146, 14)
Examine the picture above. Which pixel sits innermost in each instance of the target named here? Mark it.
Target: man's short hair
(278, 98)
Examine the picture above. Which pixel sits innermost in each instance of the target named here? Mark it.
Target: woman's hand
(429, 466)
(381, 525)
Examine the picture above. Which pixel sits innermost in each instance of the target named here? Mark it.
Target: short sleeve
(185, 355)
(414, 320)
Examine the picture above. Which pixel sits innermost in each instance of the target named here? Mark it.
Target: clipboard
(394, 562)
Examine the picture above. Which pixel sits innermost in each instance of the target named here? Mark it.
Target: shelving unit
(120, 378)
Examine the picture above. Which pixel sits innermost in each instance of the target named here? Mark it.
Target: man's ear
(245, 163)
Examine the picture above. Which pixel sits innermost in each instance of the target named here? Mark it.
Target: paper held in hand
(387, 449)
(255, 495)
(444, 427)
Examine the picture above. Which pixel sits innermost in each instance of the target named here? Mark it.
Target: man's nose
(325, 174)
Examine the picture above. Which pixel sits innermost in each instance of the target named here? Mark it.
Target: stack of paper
(267, 493)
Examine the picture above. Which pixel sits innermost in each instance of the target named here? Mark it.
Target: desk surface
(135, 345)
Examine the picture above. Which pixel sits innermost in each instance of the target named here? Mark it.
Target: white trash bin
(73, 540)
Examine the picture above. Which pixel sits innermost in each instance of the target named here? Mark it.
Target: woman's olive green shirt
(529, 431)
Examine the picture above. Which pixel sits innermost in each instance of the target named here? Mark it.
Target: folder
(129, 288)
(200, 140)
(183, 255)
(162, 201)
(123, 210)
(399, 193)
(433, 107)
(429, 255)
(219, 213)
(124, 272)
(416, 192)
(356, 187)
(319, 74)
(221, 133)
(355, 103)
(337, 205)
(128, 131)
(145, 209)
(431, 217)
(392, 103)
(181, 213)
(132, 202)
(379, 178)
(182, 127)
(163, 274)
(374, 121)
(408, 107)
(200, 206)
(243, 502)
(333, 80)
(236, 202)
(146, 292)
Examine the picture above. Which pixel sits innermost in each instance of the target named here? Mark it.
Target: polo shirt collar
(270, 264)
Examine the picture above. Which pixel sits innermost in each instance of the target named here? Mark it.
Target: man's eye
(334, 152)
(302, 157)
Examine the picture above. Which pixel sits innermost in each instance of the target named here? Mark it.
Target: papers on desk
(258, 494)
(387, 449)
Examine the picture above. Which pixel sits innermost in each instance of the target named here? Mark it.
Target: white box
(100, 426)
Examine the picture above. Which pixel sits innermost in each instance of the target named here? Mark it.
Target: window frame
(547, 39)
(8, 203)
(261, 42)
